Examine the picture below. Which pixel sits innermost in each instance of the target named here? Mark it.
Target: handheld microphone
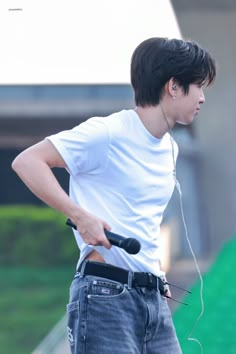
(130, 245)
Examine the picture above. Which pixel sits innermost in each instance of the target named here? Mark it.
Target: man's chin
(185, 122)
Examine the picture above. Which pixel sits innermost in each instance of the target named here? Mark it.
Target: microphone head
(131, 245)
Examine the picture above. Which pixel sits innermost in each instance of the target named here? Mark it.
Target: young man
(122, 175)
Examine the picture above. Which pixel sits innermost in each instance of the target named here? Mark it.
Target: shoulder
(119, 122)
(98, 129)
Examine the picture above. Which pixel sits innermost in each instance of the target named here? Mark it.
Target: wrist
(76, 214)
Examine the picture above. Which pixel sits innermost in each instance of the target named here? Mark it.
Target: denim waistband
(132, 279)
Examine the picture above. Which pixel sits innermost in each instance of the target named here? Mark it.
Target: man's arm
(34, 166)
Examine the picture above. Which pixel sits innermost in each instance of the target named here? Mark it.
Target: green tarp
(216, 330)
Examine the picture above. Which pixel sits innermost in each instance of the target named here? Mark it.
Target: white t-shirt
(124, 175)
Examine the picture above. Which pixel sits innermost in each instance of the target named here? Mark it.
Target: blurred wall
(213, 25)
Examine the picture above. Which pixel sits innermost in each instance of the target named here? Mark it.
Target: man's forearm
(39, 178)
(34, 166)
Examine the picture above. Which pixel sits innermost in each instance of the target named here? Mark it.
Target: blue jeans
(105, 316)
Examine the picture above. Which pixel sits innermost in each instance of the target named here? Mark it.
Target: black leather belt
(132, 279)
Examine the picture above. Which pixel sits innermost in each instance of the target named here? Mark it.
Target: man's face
(188, 105)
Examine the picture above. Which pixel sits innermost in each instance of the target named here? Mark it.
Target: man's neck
(155, 120)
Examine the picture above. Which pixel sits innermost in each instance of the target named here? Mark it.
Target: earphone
(174, 87)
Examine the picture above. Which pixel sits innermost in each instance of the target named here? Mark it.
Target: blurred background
(64, 62)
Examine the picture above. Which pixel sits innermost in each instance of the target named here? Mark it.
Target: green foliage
(35, 236)
(32, 301)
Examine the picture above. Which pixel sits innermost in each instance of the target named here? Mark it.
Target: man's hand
(91, 228)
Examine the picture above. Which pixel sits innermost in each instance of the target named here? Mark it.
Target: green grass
(216, 328)
(32, 300)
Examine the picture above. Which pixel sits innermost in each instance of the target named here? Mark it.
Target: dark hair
(156, 60)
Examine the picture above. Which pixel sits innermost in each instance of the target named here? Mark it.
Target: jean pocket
(103, 288)
(77, 289)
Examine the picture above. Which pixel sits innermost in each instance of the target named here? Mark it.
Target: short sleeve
(85, 147)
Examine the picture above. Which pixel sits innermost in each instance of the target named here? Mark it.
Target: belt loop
(83, 265)
(130, 279)
(150, 280)
(158, 283)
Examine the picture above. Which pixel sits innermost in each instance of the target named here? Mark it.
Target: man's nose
(202, 97)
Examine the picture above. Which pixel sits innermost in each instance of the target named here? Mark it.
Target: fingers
(106, 226)
(91, 230)
(97, 238)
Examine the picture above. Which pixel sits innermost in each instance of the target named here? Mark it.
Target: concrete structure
(212, 23)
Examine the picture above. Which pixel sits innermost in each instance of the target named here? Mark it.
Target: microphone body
(130, 245)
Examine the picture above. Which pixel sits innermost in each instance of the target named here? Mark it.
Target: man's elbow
(21, 162)
(17, 163)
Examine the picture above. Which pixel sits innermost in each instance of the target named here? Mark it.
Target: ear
(172, 87)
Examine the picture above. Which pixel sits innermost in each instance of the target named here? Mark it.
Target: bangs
(205, 67)
(207, 75)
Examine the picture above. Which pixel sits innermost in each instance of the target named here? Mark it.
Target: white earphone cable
(197, 267)
(177, 185)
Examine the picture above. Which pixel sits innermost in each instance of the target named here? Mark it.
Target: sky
(75, 41)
